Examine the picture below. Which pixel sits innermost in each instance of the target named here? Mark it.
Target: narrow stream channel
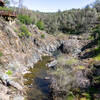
(38, 85)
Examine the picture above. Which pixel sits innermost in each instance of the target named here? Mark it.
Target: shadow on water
(38, 86)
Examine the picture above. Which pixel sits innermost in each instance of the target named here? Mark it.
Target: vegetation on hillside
(5, 9)
(24, 32)
(96, 34)
(40, 25)
(25, 19)
(74, 21)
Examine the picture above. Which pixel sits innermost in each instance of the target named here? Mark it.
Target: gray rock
(52, 64)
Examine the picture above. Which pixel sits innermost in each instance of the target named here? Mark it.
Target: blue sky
(54, 5)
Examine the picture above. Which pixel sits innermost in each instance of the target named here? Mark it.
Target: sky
(55, 5)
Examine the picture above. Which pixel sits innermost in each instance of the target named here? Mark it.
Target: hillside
(19, 53)
(74, 21)
(51, 56)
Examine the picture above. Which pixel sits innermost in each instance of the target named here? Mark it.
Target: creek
(37, 82)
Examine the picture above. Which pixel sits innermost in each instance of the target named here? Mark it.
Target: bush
(15, 30)
(40, 25)
(25, 19)
(21, 34)
(24, 29)
(43, 36)
(87, 96)
(5, 9)
(24, 32)
(9, 72)
(70, 96)
(97, 58)
(90, 38)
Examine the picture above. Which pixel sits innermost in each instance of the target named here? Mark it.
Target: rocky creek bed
(56, 81)
(37, 82)
(68, 79)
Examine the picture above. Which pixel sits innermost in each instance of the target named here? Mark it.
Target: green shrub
(87, 96)
(43, 36)
(97, 58)
(90, 38)
(9, 72)
(71, 61)
(40, 25)
(24, 32)
(21, 34)
(5, 9)
(15, 30)
(70, 96)
(25, 19)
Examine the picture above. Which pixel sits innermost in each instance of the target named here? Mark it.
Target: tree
(96, 5)
(25, 19)
(96, 32)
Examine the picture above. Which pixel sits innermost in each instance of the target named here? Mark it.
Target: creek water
(38, 86)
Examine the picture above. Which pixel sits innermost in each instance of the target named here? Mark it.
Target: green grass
(24, 32)
(71, 61)
(83, 99)
(9, 72)
(59, 71)
(64, 61)
(96, 79)
(97, 58)
(80, 67)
